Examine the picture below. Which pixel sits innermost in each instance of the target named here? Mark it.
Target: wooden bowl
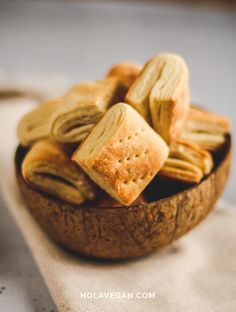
(123, 232)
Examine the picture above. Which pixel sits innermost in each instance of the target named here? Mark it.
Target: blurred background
(58, 43)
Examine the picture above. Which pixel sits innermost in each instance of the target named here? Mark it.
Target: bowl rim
(227, 147)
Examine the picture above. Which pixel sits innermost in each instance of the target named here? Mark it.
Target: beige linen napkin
(197, 273)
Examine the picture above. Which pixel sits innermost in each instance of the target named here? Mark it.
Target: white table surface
(80, 41)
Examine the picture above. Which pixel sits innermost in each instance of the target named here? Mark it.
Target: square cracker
(122, 153)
